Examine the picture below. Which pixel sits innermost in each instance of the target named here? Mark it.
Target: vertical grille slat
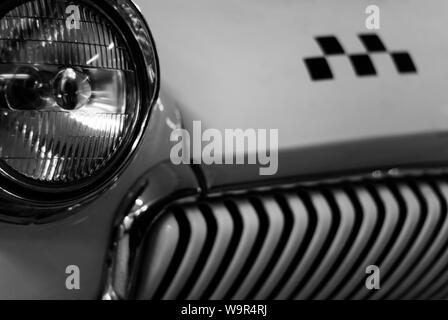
(387, 209)
(318, 266)
(297, 224)
(298, 255)
(225, 227)
(439, 275)
(238, 226)
(211, 230)
(408, 273)
(437, 255)
(322, 230)
(307, 242)
(195, 244)
(183, 240)
(273, 235)
(346, 212)
(162, 246)
(410, 211)
(251, 227)
(249, 269)
(362, 203)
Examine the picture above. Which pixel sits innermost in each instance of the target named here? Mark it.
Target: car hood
(240, 64)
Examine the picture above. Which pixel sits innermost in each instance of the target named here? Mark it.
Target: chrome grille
(303, 243)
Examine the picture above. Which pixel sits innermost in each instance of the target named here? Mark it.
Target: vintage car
(96, 96)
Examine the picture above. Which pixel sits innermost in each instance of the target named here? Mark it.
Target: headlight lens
(68, 92)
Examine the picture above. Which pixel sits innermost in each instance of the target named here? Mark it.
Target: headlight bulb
(71, 89)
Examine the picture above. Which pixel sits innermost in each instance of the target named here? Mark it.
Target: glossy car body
(240, 64)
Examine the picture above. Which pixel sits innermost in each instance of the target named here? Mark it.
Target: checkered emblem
(319, 68)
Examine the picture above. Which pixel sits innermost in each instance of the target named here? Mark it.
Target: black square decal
(403, 62)
(318, 68)
(363, 65)
(372, 43)
(330, 45)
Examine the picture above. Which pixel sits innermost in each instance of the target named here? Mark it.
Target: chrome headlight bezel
(23, 198)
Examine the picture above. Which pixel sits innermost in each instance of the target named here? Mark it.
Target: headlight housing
(77, 80)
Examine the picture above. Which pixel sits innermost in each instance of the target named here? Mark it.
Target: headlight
(77, 79)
